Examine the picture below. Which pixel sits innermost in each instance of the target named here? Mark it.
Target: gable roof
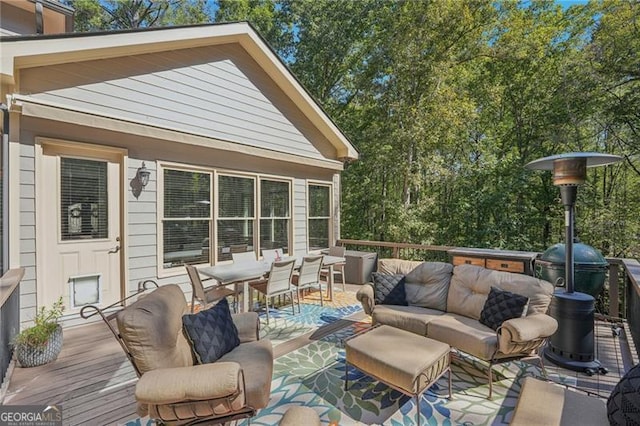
(33, 51)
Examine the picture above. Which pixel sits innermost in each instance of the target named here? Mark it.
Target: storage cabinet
(520, 262)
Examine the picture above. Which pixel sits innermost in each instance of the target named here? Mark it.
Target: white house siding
(28, 300)
(337, 195)
(213, 91)
(300, 215)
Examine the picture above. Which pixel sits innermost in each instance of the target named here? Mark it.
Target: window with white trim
(319, 216)
(236, 215)
(275, 214)
(186, 217)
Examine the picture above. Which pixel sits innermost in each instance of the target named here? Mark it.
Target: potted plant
(42, 342)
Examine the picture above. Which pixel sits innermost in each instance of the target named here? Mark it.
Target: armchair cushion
(212, 332)
(500, 306)
(151, 329)
(196, 383)
(389, 289)
(248, 325)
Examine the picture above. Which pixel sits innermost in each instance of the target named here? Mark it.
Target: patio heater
(572, 346)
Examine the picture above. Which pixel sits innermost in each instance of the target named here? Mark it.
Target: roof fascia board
(50, 51)
(36, 108)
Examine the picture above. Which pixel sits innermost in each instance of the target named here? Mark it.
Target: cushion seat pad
(413, 365)
(410, 318)
(546, 403)
(465, 334)
(256, 360)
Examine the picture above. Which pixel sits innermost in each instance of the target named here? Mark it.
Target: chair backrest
(337, 251)
(247, 256)
(196, 282)
(238, 248)
(280, 276)
(310, 270)
(151, 329)
(272, 254)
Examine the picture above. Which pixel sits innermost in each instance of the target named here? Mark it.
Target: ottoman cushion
(298, 416)
(412, 357)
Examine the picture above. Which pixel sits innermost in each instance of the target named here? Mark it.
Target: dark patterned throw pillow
(623, 405)
(500, 306)
(389, 289)
(211, 332)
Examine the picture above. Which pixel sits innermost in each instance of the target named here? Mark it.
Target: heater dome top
(593, 159)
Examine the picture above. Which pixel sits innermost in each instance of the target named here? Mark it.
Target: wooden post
(614, 290)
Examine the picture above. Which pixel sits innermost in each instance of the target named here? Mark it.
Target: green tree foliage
(265, 15)
(94, 15)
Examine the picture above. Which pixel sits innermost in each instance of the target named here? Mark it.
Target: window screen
(83, 199)
(236, 215)
(319, 216)
(187, 217)
(275, 217)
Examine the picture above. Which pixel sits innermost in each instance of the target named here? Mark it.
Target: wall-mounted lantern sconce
(143, 175)
(141, 180)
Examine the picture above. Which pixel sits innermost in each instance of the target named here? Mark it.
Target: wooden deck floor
(95, 383)
(92, 379)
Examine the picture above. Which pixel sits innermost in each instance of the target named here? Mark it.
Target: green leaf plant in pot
(42, 342)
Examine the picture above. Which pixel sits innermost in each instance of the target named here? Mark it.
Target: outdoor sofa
(445, 303)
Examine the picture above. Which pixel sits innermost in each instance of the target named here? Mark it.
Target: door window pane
(274, 214)
(83, 199)
(187, 217)
(236, 215)
(319, 216)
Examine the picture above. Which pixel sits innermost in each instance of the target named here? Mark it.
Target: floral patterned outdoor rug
(284, 325)
(313, 376)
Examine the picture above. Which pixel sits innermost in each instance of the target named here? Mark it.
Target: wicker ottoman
(403, 360)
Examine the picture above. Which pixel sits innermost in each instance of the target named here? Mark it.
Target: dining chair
(278, 283)
(338, 268)
(272, 254)
(246, 256)
(209, 295)
(308, 276)
(238, 248)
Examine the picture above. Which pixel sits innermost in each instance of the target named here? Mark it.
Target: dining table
(243, 272)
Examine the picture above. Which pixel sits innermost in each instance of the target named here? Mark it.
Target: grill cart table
(403, 360)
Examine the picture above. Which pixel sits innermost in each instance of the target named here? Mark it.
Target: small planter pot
(29, 356)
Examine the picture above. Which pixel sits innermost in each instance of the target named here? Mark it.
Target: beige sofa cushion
(427, 285)
(409, 318)
(470, 286)
(152, 330)
(397, 266)
(465, 334)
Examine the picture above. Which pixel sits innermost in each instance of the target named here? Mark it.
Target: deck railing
(9, 316)
(623, 286)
